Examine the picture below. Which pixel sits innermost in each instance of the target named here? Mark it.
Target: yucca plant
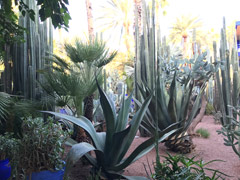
(110, 147)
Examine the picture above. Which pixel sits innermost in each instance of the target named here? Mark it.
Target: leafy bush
(41, 146)
(181, 167)
(8, 146)
(203, 132)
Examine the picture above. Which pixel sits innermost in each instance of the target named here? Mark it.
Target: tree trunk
(138, 8)
(88, 107)
(81, 135)
(7, 70)
(89, 18)
(199, 117)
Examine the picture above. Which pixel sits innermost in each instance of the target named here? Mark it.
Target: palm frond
(5, 101)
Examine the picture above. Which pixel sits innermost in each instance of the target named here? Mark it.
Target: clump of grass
(209, 109)
(203, 132)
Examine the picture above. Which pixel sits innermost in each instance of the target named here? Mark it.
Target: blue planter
(5, 169)
(47, 175)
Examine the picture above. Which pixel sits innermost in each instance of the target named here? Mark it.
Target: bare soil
(206, 149)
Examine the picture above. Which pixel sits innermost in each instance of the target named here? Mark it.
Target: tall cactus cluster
(228, 86)
(227, 79)
(146, 51)
(29, 56)
(150, 49)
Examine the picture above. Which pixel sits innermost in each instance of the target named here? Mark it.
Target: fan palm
(70, 83)
(94, 55)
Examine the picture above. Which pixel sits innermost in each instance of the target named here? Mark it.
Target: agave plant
(177, 80)
(173, 107)
(110, 147)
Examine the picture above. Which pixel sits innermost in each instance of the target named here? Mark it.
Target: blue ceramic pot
(5, 169)
(47, 175)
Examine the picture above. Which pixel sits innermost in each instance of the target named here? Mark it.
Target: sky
(211, 12)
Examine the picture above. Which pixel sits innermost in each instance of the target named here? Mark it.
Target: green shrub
(41, 146)
(209, 109)
(181, 167)
(203, 132)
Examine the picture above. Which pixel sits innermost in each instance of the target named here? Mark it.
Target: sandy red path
(206, 149)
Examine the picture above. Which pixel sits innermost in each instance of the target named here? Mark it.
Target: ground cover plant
(203, 132)
(182, 167)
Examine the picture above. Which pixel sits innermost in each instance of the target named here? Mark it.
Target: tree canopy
(11, 32)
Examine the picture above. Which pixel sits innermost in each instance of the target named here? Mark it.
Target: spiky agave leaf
(111, 147)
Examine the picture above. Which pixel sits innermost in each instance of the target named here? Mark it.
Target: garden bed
(207, 149)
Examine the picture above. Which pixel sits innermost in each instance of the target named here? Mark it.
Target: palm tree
(182, 28)
(70, 83)
(116, 19)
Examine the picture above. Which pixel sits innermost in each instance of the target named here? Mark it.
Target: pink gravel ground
(206, 149)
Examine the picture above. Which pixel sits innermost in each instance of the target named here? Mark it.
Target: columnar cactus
(228, 87)
(30, 56)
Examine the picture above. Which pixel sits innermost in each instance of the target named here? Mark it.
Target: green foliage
(41, 145)
(4, 104)
(172, 101)
(10, 31)
(231, 132)
(71, 82)
(228, 80)
(181, 167)
(110, 147)
(9, 146)
(55, 9)
(94, 51)
(203, 132)
(12, 110)
(209, 109)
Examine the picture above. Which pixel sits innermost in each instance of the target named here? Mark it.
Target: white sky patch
(210, 12)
